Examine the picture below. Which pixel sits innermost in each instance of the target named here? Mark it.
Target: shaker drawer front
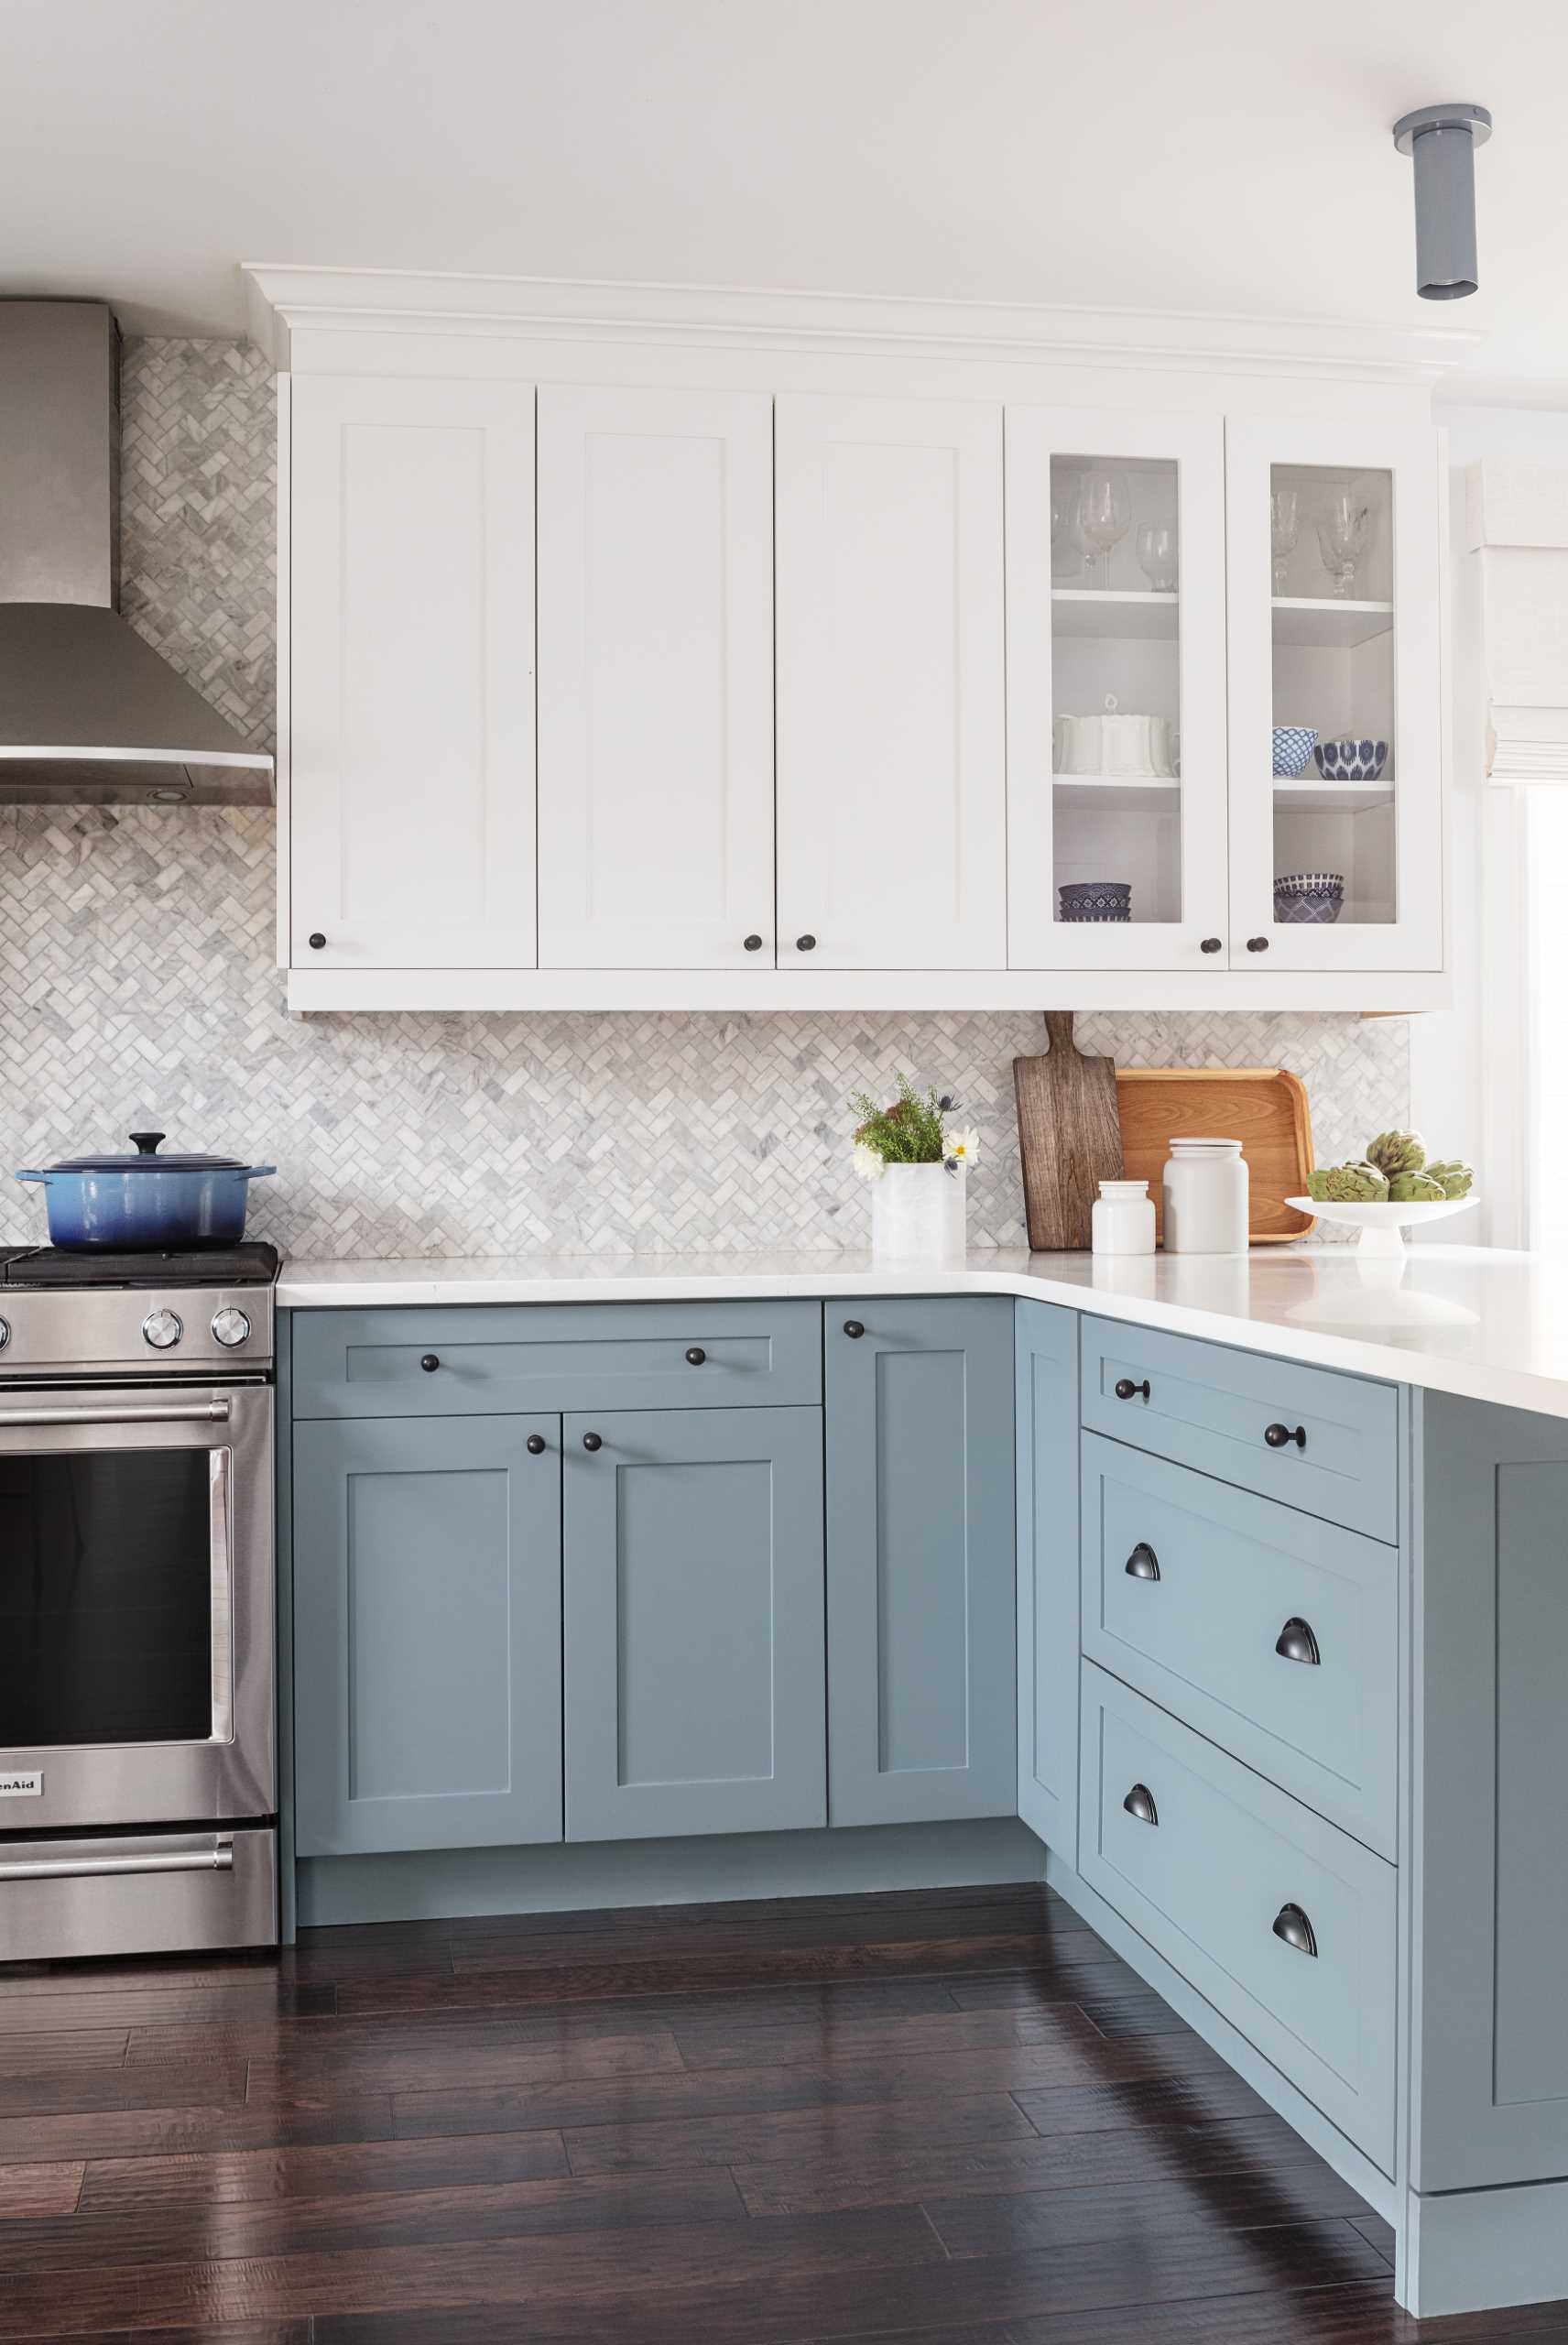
(1317, 1440)
(497, 1359)
(1284, 1923)
(1274, 1635)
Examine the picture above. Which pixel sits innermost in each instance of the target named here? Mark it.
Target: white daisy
(962, 1144)
(867, 1163)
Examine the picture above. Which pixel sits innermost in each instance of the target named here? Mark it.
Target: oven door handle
(172, 1413)
(217, 1857)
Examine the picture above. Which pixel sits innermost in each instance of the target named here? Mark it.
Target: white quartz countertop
(1480, 1321)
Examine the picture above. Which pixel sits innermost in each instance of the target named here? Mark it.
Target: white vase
(916, 1214)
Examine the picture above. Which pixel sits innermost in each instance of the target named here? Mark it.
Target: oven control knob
(163, 1329)
(5, 1333)
(230, 1326)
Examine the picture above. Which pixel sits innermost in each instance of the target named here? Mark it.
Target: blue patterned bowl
(1292, 747)
(1097, 899)
(1350, 760)
(1309, 898)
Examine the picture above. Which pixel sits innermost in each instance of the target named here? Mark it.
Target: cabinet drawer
(496, 1359)
(1191, 1588)
(1212, 1408)
(1211, 1872)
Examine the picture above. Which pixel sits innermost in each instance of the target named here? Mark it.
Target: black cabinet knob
(431, 1362)
(536, 1444)
(1291, 1924)
(695, 1355)
(1125, 1387)
(1210, 944)
(805, 944)
(754, 943)
(315, 940)
(1257, 945)
(1143, 1562)
(1281, 1437)
(592, 1441)
(854, 1328)
(1140, 1802)
(1296, 1641)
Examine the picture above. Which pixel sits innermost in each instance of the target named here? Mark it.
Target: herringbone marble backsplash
(137, 951)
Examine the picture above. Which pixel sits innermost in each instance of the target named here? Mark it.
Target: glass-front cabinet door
(1116, 691)
(1336, 724)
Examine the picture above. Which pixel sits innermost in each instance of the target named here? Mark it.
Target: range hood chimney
(89, 713)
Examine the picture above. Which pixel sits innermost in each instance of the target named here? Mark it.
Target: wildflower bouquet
(914, 1128)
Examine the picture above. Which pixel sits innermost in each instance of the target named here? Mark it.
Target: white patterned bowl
(1382, 1227)
(1292, 747)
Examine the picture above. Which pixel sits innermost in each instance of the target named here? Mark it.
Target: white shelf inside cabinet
(1326, 623)
(1339, 797)
(1097, 611)
(1089, 793)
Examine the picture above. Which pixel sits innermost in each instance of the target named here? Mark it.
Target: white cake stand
(1382, 1227)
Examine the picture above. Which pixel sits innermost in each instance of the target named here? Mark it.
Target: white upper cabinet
(890, 727)
(1116, 824)
(655, 679)
(411, 718)
(1336, 808)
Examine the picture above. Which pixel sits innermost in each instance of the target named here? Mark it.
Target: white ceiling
(1216, 156)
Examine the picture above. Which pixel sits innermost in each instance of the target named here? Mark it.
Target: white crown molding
(281, 299)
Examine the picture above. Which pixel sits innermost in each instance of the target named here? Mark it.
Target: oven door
(135, 1605)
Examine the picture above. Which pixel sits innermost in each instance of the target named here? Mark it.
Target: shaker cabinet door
(1046, 1396)
(410, 741)
(922, 1628)
(892, 820)
(655, 679)
(694, 1668)
(427, 1634)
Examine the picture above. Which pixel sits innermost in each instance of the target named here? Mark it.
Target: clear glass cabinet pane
(1333, 757)
(1115, 667)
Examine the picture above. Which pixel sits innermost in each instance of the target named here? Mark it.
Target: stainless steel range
(137, 1779)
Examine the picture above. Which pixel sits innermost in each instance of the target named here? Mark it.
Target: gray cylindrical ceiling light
(1442, 143)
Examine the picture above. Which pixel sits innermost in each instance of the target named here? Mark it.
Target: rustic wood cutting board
(1262, 1107)
(1069, 1136)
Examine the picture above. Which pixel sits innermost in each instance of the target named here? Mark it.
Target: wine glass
(1156, 544)
(1342, 536)
(1105, 515)
(1284, 528)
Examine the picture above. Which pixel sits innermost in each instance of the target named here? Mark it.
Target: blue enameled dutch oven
(148, 1203)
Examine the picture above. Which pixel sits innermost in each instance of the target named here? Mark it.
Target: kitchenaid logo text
(21, 1786)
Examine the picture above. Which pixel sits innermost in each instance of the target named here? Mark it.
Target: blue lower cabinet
(922, 1607)
(427, 1634)
(694, 1652)
(1046, 1378)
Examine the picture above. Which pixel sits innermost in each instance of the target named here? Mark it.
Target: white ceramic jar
(1121, 1219)
(1204, 1186)
(918, 1214)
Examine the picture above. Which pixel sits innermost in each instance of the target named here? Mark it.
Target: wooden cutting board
(1262, 1107)
(1069, 1136)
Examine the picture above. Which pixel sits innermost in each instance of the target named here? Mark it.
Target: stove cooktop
(254, 1263)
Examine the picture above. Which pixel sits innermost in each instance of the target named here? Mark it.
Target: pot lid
(146, 1159)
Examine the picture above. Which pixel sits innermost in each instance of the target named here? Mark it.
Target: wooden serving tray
(1262, 1107)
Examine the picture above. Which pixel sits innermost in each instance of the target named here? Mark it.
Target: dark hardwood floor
(951, 2117)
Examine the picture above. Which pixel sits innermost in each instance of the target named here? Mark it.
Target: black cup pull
(536, 1444)
(1210, 944)
(854, 1329)
(1125, 1387)
(805, 944)
(592, 1441)
(431, 1362)
(1257, 945)
(1291, 1924)
(147, 1142)
(1139, 1801)
(316, 941)
(1280, 1436)
(1296, 1641)
(695, 1355)
(1143, 1562)
(754, 943)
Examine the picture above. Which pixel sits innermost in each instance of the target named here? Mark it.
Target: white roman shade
(1517, 529)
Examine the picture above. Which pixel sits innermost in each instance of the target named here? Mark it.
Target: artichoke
(1347, 1185)
(1415, 1189)
(1397, 1152)
(1457, 1179)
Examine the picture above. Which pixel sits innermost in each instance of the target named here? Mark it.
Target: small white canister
(1121, 1219)
(1205, 1188)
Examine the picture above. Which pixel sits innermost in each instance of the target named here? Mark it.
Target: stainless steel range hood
(89, 713)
